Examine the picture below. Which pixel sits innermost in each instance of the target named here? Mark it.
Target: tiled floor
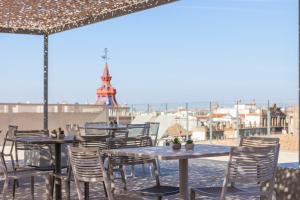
(202, 172)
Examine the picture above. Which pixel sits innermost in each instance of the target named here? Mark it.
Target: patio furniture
(167, 153)
(247, 170)
(57, 142)
(153, 132)
(10, 174)
(92, 128)
(8, 146)
(88, 167)
(44, 149)
(137, 130)
(259, 141)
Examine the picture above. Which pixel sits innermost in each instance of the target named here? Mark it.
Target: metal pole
(131, 113)
(46, 82)
(148, 108)
(166, 108)
(299, 81)
(268, 119)
(237, 121)
(187, 120)
(210, 123)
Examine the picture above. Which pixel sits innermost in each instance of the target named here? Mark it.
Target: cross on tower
(105, 56)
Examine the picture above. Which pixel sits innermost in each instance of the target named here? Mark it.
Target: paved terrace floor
(202, 172)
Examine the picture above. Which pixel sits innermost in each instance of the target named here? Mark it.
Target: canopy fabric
(53, 16)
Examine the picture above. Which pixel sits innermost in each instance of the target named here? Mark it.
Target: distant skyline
(187, 51)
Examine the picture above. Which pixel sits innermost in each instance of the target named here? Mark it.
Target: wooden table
(49, 140)
(167, 153)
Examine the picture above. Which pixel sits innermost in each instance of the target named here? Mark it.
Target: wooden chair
(87, 167)
(31, 147)
(153, 132)
(118, 162)
(248, 168)
(15, 175)
(258, 141)
(138, 130)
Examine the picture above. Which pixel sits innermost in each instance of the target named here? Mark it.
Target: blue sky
(191, 50)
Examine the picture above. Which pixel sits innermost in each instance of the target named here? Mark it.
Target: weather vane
(105, 56)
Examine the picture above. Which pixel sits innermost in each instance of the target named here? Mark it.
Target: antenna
(105, 56)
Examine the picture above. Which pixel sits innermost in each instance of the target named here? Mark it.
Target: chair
(92, 128)
(137, 130)
(259, 141)
(87, 167)
(31, 147)
(15, 175)
(8, 146)
(96, 141)
(248, 169)
(118, 162)
(153, 132)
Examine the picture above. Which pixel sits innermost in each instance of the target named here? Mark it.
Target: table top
(167, 153)
(43, 140)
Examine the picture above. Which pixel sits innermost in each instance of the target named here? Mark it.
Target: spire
(106, 93)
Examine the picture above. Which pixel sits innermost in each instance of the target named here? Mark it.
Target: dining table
(182, 155)
(57, 142)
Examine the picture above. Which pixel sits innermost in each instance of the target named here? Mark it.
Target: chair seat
(25, 173)
(216, 191)
(158, 191)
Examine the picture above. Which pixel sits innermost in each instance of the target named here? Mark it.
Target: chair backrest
(259, 141)
(251, 166)
(98, 141)
(130, 142)
(8, 146)
(87, 166)
(94, 128)
(19, 146)
(119, 134)
(153, 131)
(137, 130)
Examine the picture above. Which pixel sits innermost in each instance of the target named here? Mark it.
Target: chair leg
(32, 187)
(5, 187)
(104, 188)
(49, 193)
(193, 195)
(67, 186)
(14, 187)
(122, 172)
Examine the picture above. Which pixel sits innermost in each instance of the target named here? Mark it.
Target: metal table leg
(58, 170)
(183, 179)
(86, 190)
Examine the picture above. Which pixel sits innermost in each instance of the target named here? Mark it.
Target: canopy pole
(299, 82)
(45, 81)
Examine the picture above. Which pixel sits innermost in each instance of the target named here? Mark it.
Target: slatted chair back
(259, 141)
(19, 146)
(87, 166)
(130, 142)
(8, 146)
(98, 141)
(153, 131)
(120, 134)
(138, 130)
(92, 128)
(252, 166)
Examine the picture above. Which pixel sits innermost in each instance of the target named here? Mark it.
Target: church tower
(106, 93)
